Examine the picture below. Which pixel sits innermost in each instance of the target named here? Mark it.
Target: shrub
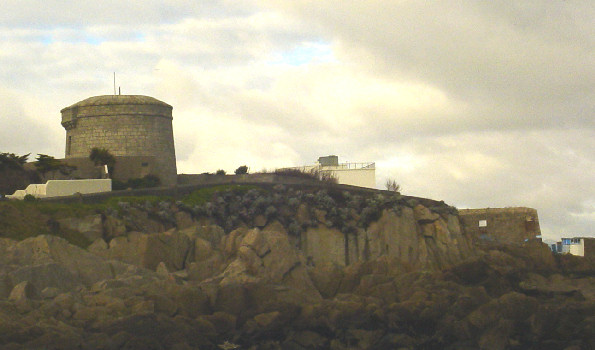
(12, 161)
(312, 174)
(101, 156)
(328, 177)
(147, 181)
(12, 179)
(242, 170)
(30, 198)
(392, 185)
(46, 164)
(220, 172)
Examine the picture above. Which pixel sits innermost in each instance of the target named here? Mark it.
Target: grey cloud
(51, 13)
(508, 58)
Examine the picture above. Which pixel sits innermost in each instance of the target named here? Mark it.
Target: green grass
(55, 210)
(112, 202)
(23, 219)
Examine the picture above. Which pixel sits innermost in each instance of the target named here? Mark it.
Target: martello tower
(136, 129)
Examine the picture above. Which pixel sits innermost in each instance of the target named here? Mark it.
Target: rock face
(147, 250)
(334, 276)
(90, 226)
(416, 237)
(49, 261)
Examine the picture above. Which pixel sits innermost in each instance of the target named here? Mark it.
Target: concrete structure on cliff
(506, 225)
(355, 174)
(61, 188)
(136, 129)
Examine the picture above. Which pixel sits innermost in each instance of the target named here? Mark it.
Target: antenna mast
(114, 83)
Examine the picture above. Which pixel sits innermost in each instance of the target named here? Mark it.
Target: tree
(13, 175)
(220, 172)
(66, 169)
(242, 170)
(101, 156)
(46, 164)
(392, 185)
(12, 161)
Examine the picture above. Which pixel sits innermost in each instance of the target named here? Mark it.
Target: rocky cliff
(282, 269)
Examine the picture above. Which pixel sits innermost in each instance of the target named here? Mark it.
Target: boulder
(148, 250)
(46, 275)
(183, 219)
(231, 299)
(98, 246)
(6, 286)
(232, 241)
(90, 226)
(267, 320)
(223, 322)
(260, 221)
(211, 233)
(190, 301)
(424, 215)
(199, 271)
(113, 227)
(61, 260)
(23, 291)
(203, 250)
(326, 278)
(50, 292)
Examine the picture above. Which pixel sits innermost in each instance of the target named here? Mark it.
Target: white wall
(355, 177)
(577, 249)
(362, 177)
(58, 188)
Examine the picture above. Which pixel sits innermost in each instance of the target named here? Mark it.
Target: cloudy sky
(477, 103)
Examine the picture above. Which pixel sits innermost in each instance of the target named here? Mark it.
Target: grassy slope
(22, 219)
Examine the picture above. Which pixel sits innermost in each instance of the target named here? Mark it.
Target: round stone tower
(136, 129)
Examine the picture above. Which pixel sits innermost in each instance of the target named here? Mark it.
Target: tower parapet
(131, 127)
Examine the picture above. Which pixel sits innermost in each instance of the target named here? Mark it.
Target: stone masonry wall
(127, 135)
(508, 225)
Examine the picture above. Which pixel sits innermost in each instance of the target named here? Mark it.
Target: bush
(12, 161)
(242, 170)
(328, 177)
(312, 174)
(30, 198)
(220, 172)
(392, 185)
(15, 179)
(144, 182)
(47, 164)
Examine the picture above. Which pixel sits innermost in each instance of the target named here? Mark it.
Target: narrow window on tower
(68, 145)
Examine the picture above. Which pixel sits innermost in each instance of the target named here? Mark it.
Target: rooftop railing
(342, 166)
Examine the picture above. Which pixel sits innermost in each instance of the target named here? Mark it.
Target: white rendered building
(356, 174)
(574, 246)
